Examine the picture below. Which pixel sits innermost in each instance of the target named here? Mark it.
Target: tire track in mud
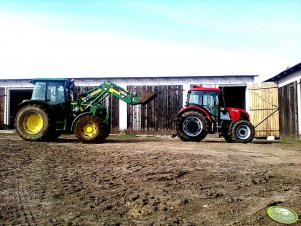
(22, 197)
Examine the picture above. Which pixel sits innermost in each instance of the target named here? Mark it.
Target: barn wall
(2, 108)
(288, 103)
(288, 81)
(158, 115)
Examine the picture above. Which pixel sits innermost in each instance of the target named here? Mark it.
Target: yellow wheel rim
(33, 123)
(89, 129)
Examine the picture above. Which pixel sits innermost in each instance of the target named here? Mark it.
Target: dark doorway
(235, 96)
(16, 97)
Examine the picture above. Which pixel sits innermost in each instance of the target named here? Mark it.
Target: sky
(104, 38)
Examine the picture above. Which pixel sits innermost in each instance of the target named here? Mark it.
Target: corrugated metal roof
(285, 73)
(141, 77)
(171, 76)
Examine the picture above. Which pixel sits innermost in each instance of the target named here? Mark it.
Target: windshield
(51, 91)
(206, 99)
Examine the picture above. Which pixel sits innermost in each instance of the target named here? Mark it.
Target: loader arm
(96, 95)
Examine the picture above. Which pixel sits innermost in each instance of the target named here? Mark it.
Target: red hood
(237, 113)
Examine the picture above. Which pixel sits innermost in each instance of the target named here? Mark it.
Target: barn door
(158, 115)
(264, 109)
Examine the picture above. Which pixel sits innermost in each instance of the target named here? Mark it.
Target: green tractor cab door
(55, 95)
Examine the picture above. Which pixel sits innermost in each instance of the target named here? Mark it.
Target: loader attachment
(146, 96)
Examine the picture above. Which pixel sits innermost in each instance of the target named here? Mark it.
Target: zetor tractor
(52, 110)
(206, 112)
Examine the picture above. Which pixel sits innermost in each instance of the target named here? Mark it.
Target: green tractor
(52, 110)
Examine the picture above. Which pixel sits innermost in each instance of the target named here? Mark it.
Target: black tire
(106, 129)
(191, 126)
(228, 138)
(33, 123)
(242, 131)
(88, 129)
(225, 132)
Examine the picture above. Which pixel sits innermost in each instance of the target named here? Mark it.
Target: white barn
(171, 96)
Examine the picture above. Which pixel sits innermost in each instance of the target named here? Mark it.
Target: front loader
(52, 110)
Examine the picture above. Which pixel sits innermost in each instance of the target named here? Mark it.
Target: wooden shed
(289, 89)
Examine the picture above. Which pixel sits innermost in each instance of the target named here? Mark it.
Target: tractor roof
(49, 80)
(201, 88)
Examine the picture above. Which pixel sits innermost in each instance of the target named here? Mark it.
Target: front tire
(242, 131)
(191, 126)
(89, 129)
(32, 123)
(228, 138)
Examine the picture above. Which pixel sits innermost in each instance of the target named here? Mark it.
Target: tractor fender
(77, 118)
(35, 102)
(237, 114)
(28, 102)
(203, 111)
(240, 115)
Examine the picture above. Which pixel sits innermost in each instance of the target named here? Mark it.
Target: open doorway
(235, 96)
(16, 97)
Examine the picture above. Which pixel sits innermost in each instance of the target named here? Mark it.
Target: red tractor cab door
(206, 99)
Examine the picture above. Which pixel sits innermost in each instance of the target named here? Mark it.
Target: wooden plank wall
(110, 102)
(157, 117)
(2, 99)
(288, 103)
(264, 111)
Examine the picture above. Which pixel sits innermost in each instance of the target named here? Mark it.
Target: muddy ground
(146, 181)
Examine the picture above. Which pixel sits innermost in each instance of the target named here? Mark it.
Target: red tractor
(205, 112)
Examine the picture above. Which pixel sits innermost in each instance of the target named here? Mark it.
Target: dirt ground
(146, 181)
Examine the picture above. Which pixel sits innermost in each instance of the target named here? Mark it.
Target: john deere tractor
(52, 110)
(206, 112)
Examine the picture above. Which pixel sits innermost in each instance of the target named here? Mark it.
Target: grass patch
(124, 136)
(290, 142)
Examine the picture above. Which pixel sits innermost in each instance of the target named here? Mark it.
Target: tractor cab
(50, 91)
(206, 98)
(54, 94)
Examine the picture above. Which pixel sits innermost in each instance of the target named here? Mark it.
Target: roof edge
(135, 77)
(285, 73)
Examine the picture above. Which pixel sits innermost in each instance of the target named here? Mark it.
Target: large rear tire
(32, 123)
(89, 129)
(192, 126)
(242, 131)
